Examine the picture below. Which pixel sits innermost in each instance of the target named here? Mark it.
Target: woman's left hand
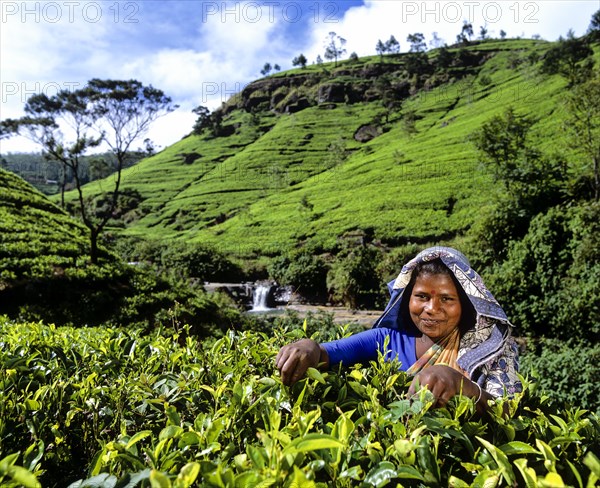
(444, 382)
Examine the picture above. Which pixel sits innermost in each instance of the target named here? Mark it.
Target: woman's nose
(432, 305)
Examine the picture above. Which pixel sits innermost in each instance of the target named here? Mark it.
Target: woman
(444, 327)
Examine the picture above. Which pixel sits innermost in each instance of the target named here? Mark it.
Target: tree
(381, 49)
(299, 60)
(203, 120)
(353, 278)
(483, 33)
(583, 106)
(319, 59)
(502, 34)
(111, 112)
(594, 28)
(534, 182)
(417, 42)
(571, 58)
(444, 58)
(417, 63)
(465, 34)
(387, 96)
(276, 67)
(266, 69)
(334, 49)
(211, 121)
(436, 41)
(501, 142)
(409, 119)
(467, 29)
(392, 45)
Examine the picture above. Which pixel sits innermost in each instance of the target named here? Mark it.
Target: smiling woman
(443, 326)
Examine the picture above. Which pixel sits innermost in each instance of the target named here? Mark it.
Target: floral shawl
(487, 352)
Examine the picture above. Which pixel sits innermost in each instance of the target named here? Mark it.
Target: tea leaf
(170, 431)
(159, 480)
(501, 460)
(409, 472)
(312, 442)
(517, 447)
(315, 374)
(355, 473)
(23, 477)
(575, 474)
(592, 462)
(187, 475)
(381, 474)
(138, 437)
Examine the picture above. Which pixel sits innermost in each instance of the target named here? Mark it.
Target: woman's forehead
(442, 282)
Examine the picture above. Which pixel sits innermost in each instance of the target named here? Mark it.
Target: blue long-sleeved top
(364, 346)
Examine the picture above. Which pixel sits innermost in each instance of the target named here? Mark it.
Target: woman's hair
(437, 267)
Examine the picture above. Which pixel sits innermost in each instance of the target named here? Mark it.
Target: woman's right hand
(293, 360)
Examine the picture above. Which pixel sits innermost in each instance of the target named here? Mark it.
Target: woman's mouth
(430, 322)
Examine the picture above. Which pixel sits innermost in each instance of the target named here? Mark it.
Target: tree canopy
(73, 122)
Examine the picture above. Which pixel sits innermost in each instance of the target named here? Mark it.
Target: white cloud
(203, 52)
(364, 25)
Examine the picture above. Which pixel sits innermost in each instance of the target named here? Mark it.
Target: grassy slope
(36, 236)
(255, 194)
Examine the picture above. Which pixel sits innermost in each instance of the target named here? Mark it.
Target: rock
(301, 104)
(366, 132)
(332, 92)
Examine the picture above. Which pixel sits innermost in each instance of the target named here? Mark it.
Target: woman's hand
(445, 382)
(293, 360)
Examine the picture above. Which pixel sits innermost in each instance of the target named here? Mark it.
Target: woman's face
(434, 305)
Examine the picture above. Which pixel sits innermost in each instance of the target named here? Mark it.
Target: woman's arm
(294, 359)
(444, 383)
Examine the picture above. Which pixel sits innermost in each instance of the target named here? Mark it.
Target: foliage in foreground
(117, 408)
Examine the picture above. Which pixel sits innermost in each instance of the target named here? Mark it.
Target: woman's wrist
(324, 357)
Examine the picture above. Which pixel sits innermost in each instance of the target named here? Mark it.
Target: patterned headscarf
(483, 342)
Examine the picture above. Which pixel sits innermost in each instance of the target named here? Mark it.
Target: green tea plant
(113, 407)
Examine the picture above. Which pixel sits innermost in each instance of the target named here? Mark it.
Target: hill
(45, 273)
(37, 238)
(291, 167)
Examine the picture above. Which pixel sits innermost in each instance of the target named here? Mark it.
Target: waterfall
(260, 297)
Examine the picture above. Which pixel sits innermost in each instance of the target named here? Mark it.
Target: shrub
(353, 279)
(198, 261)
(567, 371)
(550, 280)
(306, 272)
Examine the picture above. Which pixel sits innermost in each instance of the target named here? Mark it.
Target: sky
(202, 52)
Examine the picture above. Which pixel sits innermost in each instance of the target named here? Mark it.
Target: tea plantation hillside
(37, 238)
(287, 166)
(45, 273)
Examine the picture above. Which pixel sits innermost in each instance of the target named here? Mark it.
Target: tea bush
(567, 369)
(111, 407)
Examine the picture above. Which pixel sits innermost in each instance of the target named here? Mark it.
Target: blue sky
(200, 52)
